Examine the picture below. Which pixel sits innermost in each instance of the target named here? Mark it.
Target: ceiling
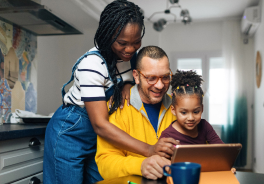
(84, 14)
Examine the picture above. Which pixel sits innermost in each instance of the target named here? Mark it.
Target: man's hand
(164, 147)
(152, 167)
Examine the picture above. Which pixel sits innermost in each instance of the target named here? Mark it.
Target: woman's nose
(130, 49)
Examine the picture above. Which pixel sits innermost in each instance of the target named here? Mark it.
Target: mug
(184, 172)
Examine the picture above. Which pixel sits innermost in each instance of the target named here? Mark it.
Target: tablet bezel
(212, 157)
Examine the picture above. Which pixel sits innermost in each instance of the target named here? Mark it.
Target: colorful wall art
(11, 67)
(18, 50)
(5, 93)
(18, 97)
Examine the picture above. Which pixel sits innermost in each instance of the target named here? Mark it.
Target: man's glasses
(153, 79)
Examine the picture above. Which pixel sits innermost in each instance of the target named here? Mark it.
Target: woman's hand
(125, 96)
(164, 147)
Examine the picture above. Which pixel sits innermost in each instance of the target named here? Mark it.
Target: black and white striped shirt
(91, 80)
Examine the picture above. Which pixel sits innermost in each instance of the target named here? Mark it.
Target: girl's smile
(188, 111)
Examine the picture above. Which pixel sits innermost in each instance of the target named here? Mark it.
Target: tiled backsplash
(18, 50)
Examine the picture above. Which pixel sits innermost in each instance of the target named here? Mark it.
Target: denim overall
(70, 141)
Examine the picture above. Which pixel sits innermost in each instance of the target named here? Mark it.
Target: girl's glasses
(153, 79)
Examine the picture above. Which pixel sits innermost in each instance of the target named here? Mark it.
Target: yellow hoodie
(113, 162)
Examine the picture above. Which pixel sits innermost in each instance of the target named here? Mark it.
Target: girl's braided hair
(186, 82)
(114, 18)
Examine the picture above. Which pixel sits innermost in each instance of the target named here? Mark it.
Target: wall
(259, 100)
(151, 36)
(178, 37)
(57, 55)
(18, 63)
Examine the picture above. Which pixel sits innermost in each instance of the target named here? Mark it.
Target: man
(146, 117)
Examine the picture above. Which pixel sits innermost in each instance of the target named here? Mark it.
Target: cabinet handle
(34, 142)
(34, 180)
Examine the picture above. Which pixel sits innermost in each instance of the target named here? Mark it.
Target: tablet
(212, 157)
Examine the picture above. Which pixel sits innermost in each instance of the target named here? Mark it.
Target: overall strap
(75, 66)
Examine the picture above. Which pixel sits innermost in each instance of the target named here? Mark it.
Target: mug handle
(165, 172)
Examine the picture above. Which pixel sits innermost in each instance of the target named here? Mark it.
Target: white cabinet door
(27, 180)
(19, 160)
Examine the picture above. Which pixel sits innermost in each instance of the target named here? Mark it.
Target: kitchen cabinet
(35, 179)
(21, 160)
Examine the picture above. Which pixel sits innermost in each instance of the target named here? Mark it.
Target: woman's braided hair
(186, 82)
(114, 18)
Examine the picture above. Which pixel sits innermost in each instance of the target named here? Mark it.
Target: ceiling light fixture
(161, 23)
(185, 16)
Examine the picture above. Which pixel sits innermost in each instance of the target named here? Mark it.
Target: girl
(187, 106)
(70, 140)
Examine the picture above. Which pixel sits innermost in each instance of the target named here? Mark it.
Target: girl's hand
(125, 96)
(164, 147)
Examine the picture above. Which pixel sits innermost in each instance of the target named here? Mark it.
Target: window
(211, 66)
(216, 97)
(190, 64)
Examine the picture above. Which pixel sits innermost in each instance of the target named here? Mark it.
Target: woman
(70, 141)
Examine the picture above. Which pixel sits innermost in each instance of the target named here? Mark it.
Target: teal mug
(184, 172)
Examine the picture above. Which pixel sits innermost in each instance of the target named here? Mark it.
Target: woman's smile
(128, 56)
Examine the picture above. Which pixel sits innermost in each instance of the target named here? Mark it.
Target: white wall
(151, 36)
(56, 56)
(192, 37)
(259, 100)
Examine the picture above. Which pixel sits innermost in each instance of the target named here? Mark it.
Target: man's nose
(159, 84)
